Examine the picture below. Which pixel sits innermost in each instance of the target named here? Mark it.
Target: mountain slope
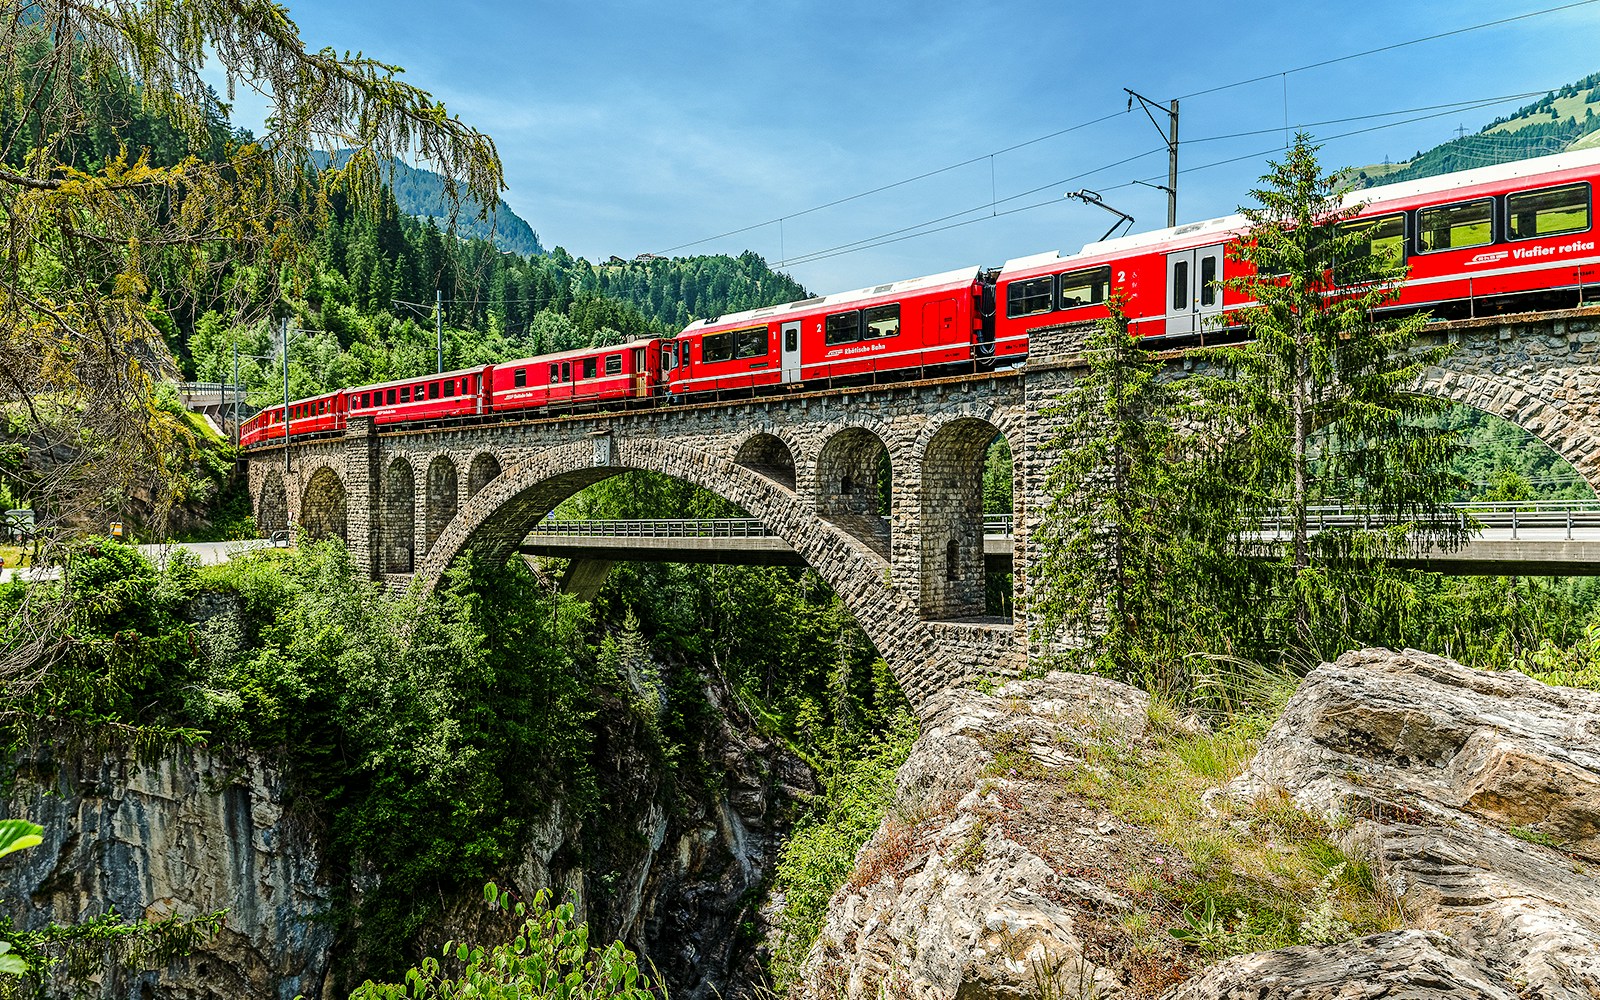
(1562, 119)
(420, 193)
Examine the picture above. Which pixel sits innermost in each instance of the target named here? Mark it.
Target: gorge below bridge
(408, 500)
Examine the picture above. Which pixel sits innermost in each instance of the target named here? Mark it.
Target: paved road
(209, 554)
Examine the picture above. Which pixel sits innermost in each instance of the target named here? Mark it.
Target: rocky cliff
(673, 871)
(1407, 828)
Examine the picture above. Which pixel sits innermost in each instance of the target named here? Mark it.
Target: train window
(590, 367)
(366, 399)
(716, 347)
(1548, 211)
(669, 357)
(1453, 227)
(449, 388)
(843, 328)
(405, 394)
(1384, 236)
(1029, 298)
(881, 321)
(566, 371)
(555, 374)
(1180, 284)
(751, 343)
(391, 397)
(1208, 280)
(1084, 288)
(433, 390)
(613, 364)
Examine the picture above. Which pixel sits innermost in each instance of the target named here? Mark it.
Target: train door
(1194, 289)
(791, 351)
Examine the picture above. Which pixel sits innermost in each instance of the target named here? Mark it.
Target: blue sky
(631, 127)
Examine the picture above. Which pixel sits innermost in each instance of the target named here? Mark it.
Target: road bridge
(409, 500)
(1516, 539)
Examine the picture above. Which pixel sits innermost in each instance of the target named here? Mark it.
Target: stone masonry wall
(807, 465)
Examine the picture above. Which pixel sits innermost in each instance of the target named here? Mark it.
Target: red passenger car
(593, 374)
(430, 397)
(318, 415)
(1517, 235)
(897, 330)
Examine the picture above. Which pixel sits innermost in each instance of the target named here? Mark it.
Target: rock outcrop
(181, 836)
(1478, 796)
(1474, 798)
(969, 890)
(673, 871)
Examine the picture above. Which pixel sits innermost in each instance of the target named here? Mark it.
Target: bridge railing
(1514, 514)
(709, 527)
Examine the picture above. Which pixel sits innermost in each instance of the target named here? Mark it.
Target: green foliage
(548, 958)
(821, 853)
(1123, 540)
(1318, 403)
(366, 307)
(19, 834)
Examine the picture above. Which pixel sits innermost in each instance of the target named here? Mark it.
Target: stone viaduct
(409, 501)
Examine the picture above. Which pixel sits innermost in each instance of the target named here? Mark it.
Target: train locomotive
(1514, 236)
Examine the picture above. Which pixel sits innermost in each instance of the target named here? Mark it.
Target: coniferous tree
(1119, 568)
(1317, 408)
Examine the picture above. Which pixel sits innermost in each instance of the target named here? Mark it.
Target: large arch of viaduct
(410, 502)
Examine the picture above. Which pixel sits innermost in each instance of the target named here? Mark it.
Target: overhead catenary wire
(1284, 73)
(1386, 48)
(944, 223)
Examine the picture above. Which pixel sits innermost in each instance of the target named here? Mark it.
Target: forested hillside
(421, 194)
(1557, 121)
(364, 295)
(366, 305)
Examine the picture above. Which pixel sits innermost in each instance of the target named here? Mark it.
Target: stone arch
(272, 504)
(397, 518)
(323, 507)
(485, 469)
(442, 499)
(951, 518)
(1513, 400)
(493, 524)
(769, 455)
(854, 474)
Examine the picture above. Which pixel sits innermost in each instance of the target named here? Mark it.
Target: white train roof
(1196, 232)
(960, 276)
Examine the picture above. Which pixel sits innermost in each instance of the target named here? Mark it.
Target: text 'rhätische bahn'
(1514, 236)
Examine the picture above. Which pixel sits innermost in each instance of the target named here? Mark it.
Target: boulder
(951, 898)
(1477, 794)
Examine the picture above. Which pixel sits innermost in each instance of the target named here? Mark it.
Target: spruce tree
(1317, 408)
(1117, 569)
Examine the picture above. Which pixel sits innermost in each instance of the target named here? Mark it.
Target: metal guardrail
(1515, 514)
(718, 527)
(711, 527)
(208, 388)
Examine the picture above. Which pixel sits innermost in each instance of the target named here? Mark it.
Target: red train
(1518, 235)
